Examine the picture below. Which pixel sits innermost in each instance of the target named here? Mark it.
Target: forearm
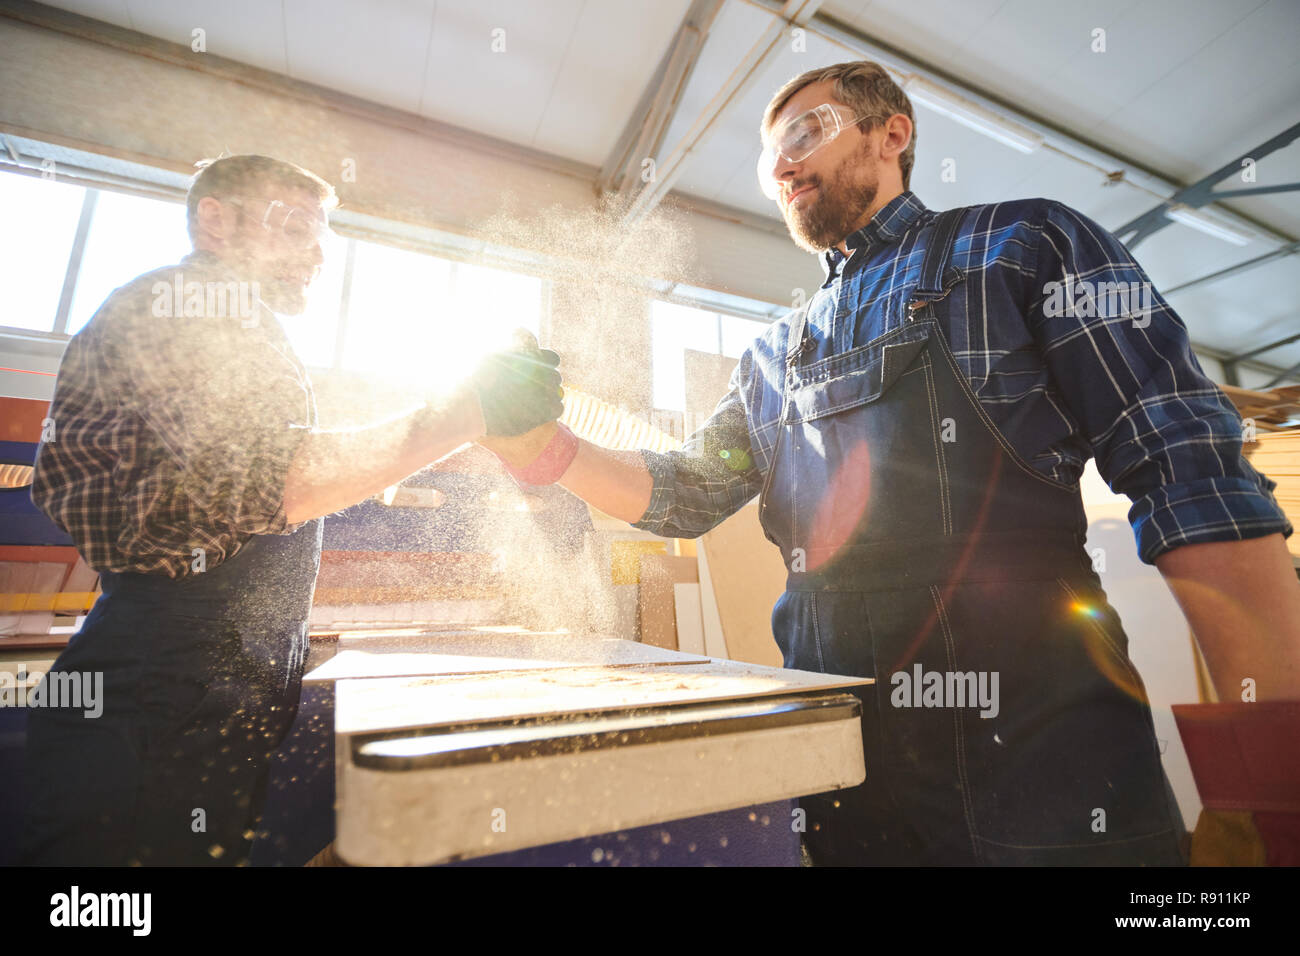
(1242, 601)
(334, 470)
(616, 482)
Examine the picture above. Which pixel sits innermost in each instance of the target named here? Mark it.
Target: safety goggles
(798, 138)
(298, 226)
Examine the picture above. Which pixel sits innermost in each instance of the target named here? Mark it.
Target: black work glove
(519, 389)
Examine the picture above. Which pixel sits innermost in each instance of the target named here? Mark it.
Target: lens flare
(843, 507)
(1111, 662)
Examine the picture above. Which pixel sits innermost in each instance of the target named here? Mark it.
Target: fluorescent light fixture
(1209, 225)
(971, 115)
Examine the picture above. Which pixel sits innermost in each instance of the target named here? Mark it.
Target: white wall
(1159, 636)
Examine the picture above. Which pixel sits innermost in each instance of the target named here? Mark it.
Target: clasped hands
(521, 397)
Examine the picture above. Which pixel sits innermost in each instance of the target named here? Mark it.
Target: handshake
(521, 398)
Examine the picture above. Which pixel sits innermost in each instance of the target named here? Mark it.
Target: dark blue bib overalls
(201, 683)
(918, 541)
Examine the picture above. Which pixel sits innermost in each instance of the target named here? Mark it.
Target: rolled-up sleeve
(229, 409)
(1161, 431)
(710, 478)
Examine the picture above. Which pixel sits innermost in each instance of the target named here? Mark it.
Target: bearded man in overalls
(916, 436)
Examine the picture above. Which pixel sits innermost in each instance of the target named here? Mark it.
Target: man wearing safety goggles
(916, 437)
(795, 141)
(284, 248)
(186, 464)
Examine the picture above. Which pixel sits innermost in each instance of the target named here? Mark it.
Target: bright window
(676, 328)
(38, 223)
(427, 320)
(488, 304)
(129, 235)
(314, 334)
(408, 315)
(739, 334)
(393, 310)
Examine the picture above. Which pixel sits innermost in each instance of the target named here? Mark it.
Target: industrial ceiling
(1127, 102)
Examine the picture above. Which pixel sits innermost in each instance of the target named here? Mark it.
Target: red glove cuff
(552, 463)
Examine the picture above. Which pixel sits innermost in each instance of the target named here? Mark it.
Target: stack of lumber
(1276, 448)
(1276, 453)
(598, 421)
(1270, 410)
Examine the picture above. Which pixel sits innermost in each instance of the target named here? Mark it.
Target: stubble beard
(834, 212)
(283, 298)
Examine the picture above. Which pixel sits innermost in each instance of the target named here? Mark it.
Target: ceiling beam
(79, 75)
(1289, 249)
(1230, 362)
(792, 13)
(1201, 192)
(1283, 376)
(1264, 348)
(643, 135)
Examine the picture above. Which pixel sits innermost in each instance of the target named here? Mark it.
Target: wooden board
(748, 576)
(707, 376)
(690, 625)
(1268, 407)
(745, 570)
(479, 651)
(405, 702)
(715, 643)
(658, 574)
(1277, 455)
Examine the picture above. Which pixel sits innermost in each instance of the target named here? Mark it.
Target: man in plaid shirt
(916, 437)
(187, 465)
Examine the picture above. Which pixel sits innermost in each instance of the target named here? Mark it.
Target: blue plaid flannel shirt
(1061, 384)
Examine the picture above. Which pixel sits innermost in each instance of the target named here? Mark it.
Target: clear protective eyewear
(798, 138)
(298, 226)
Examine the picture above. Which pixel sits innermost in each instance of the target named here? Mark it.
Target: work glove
(519, 388)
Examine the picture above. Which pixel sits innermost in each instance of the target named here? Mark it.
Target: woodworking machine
(454, 744)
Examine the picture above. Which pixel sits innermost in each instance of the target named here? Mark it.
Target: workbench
(461, 744)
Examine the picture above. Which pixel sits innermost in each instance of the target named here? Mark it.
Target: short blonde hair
(865, 87)
(231, 175)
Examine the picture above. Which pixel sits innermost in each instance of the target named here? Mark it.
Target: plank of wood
(1275, 405)
(406, 702)
(82, 577)
(658, 616)
(745, 570)
(479, 651)
(19, 641)
(690, 625)
(747, 576)
(715, 642)
(1277, 455)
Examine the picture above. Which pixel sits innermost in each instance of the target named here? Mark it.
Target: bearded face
(821, 216)
(283, 262)
(284, 284)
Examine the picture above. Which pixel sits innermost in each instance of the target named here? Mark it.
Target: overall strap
(797, 340)
(938, 252)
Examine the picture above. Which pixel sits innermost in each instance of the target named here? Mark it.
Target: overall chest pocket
(856, 377)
